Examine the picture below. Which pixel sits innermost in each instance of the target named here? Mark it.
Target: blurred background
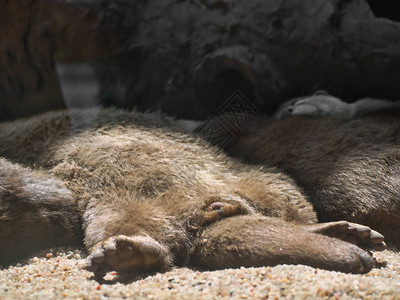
(187, 58)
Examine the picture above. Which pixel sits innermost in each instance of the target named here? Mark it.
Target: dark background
(187, 58)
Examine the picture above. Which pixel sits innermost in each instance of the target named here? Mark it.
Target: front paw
(136, 254)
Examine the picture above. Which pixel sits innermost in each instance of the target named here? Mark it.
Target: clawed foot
(357, 234)
(128, 254)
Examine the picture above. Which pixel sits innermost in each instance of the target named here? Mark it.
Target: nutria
(348, 168)
(144, 196)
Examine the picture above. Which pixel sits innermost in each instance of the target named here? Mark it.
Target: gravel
(58, 274)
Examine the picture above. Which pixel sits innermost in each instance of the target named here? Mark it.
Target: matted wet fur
(146, 196)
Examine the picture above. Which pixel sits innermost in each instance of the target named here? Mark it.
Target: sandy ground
(58, 275)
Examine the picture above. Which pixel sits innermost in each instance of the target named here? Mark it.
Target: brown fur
(250, 250)
(150, 197)
(350, 169)
(36, 211)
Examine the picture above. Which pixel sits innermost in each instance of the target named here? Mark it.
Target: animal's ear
(255, 240)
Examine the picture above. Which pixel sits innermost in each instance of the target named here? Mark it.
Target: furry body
(148, 196)
(349, 168)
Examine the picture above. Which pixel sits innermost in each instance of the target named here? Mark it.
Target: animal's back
(350, 169)
(27, 140)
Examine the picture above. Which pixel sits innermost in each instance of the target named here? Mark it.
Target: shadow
(385, 9)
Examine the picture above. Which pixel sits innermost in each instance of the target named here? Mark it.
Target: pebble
(60, 276)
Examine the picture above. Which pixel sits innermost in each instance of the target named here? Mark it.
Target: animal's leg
(255, 240)
(354, 233)
(36, 212)
(134, 237)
